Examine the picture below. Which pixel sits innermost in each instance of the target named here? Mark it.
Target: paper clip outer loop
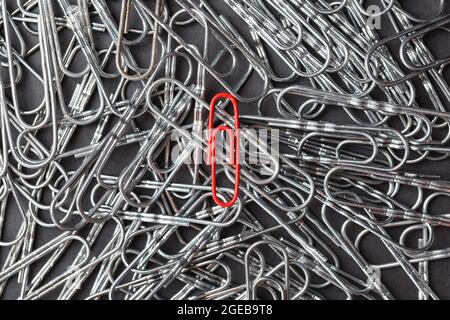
(234, 148)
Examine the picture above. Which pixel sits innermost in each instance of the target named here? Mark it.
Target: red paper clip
(234, 146)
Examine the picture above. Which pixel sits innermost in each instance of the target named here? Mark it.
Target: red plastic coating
(234, 148)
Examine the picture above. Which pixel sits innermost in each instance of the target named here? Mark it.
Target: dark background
(395, 279)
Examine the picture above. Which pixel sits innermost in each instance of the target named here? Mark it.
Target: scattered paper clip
(336, 130)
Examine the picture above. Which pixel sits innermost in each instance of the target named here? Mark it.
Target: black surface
(395, 279)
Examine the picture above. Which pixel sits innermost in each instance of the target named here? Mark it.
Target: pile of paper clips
(97, 96)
